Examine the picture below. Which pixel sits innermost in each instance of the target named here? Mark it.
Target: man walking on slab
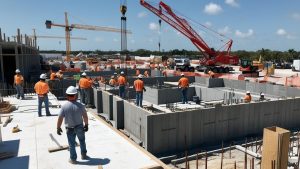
(19, 82)
(74, 114)
(122, 83)
(183, 84)
(42, 89)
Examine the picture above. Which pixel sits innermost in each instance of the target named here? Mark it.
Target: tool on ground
(16, 129)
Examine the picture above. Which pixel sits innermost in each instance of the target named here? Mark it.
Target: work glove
(86, 127)
(59, 131)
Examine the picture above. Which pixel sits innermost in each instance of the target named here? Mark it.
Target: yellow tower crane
(69, 27)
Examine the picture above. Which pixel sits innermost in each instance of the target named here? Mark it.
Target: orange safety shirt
(85, 83)
(52, 76)
(41, 88)
(247, 98)
(112, 82)
(138, 85)
(183, 82)
(19, 79)
(121, 80)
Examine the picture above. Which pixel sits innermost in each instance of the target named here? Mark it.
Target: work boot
(72, 161)
(84, 157)
(48, 114)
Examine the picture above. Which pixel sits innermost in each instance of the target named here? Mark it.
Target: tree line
(266, 54)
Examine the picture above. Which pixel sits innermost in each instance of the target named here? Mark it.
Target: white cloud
(296, 16)
(212, 9)
(142, 14)
(99, 39)
(208, 24)
(240, 34)
(232, 3)
(281, 32)
(224, 31)
(153, 26)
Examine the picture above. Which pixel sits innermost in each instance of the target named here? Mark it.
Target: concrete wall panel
(107, 99)
(118, 112)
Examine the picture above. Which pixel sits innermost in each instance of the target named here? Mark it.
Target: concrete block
(107, 99)
(118, 112)
(98, 100)
(214, 82)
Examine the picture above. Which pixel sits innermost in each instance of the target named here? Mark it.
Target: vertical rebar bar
(253, 163)
(197, 164)
(256, 144)
(205, 160)
(234, 164)
(245, 160)
(222, 155)
(230, 149)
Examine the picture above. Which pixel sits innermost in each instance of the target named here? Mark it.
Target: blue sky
(252, 24)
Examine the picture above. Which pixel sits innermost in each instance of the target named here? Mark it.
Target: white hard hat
(248, 92)
(262, 94)
(140, 76)
(112, 77)
(115, 73)
(43, 76)
(182, 74)
(17, 71)
(122, 73)
(71, 90)
(83, 74)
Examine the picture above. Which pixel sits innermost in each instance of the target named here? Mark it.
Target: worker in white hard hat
(42, 89)
(122, 82)
(85, 86)
(262, 97)
(18, 83)
(248, 97)
(139, 89)
(76, 123)
(183, 84)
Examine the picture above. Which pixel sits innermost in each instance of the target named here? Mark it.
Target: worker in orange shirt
(42, 89)
(183, 84)
(139, 89)
(248, 97)
(113, 82)
(18, 83)
(85, 86)
(52, 75)
(122, 84)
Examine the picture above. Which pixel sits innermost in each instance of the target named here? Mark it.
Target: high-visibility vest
(183, 82)
(41, 88)
(121, 81)
(18, 79)
(85, 83)
(138, 85)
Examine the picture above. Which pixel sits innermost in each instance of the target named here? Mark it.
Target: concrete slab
(105, 145)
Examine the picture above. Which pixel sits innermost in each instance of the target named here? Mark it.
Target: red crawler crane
(212, 60)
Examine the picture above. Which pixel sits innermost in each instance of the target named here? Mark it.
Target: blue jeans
(46, 101)
(85, 96)
(122, 91)
(184, 95)
(71, 134)
(20, 91)
(139, 99)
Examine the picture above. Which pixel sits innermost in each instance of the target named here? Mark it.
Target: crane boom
(211, 57)
(97, 28)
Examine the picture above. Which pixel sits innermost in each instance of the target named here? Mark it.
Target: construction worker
(85, 86)
(52, 75)
(42, 89)
(18, 83)
(73, 113)
(146, 74)
(112, 82)
(122, 83)
(262, 97)
(247, 98)
(139, 89)
(59, 75)
(211, 74)
(183, 84)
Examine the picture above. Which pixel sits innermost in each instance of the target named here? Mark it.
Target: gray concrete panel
(98, 100)
(107, 99)
(118, 112)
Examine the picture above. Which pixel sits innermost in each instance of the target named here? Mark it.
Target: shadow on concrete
(15, 162)
(94, 161)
